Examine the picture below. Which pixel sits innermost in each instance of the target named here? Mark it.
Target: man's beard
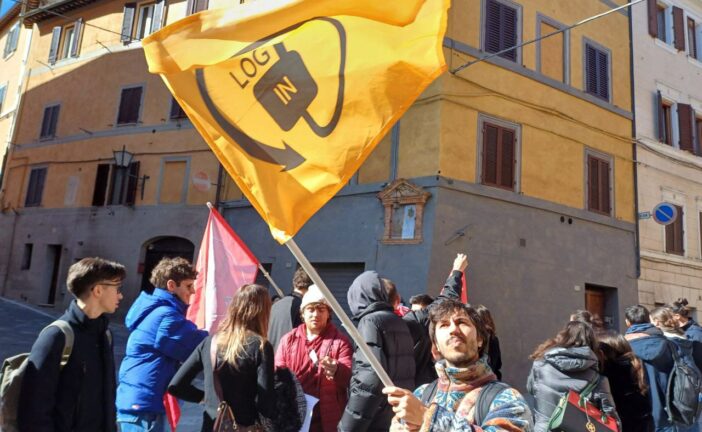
(457, 359)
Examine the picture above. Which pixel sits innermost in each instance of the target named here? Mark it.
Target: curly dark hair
(176, 269)
(301, 280)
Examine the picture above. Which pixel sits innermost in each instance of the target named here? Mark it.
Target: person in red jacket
(320, 357)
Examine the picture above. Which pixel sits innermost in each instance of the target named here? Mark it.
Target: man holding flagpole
(161, 339)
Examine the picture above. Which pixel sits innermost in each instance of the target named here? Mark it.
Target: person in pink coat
(320, 357)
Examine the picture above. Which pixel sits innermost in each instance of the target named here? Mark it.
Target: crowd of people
(442, 355)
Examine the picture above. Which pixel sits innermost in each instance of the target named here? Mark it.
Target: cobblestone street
(21, 324)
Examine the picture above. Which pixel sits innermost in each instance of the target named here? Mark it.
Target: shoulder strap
(67, 331)
(485, 398)
(673, 347)
(429, 392)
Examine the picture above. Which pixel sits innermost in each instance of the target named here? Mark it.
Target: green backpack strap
(485, 398)
(67, 330)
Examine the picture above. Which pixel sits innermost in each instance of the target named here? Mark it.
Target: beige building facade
(667, 46)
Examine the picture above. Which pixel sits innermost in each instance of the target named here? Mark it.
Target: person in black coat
(627, 380)
(390, 341)
(243, 362)
(80, 396)
(285, 313)
(418, 323)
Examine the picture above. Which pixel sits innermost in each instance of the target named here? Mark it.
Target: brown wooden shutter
(492, 26)
(679, 28)
(130, 102)
(506, 177)
(77, 29)
(593, 188)
(674, 234)
(157, 21)
(132, 183)
(101, 178)
(685, 122)
(652, 17)
(661, 116)
(128, 22)
(604, 191)
(54, 119)
(698, 130)
(55, 40)
(45, 123)
(490, 154)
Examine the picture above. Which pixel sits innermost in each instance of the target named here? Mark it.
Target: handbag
(575, 413)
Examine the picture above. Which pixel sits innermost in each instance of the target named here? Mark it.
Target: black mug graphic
(285, 91)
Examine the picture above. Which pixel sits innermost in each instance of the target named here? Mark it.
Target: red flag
(464, 291)
(224, 264)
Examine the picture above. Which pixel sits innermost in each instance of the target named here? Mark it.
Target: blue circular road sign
(665, 213)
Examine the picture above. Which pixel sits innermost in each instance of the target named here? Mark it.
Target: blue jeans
(146, 422)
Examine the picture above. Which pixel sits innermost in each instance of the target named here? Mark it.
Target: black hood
(365, 290)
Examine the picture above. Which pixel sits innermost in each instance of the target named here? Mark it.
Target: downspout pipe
(634, 146)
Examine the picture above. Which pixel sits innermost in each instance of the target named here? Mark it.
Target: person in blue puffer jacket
(161, 339)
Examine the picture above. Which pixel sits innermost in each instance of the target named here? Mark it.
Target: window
(698, 129)
(692, 38)
(403, 203)
(12, 40)
(596, 71)
(661, 23)
(49, 122)
(599, 184)
(27, 256)
(102, 178)
(501, 28)
(674, 235)
(116, 185)
(498, 156)
(665, 121)
(195, 6)
(149, 18)
(35, 189)
(65, 41)
(177, 112)
(129, 106)
(3, 91)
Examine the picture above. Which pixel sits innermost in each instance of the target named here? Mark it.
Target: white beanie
(313, 295)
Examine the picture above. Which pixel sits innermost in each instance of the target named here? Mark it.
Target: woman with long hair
(627, 379)
(494, 354)
(320, 356)
(242, 368)
(682, 314)
(566, 362)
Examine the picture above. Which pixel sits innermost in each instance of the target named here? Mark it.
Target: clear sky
(5, 5)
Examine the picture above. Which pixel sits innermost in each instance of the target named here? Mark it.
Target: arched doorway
(163, 247)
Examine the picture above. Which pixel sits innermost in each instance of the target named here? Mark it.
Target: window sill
(600, 212)
(9, 56)
(120, 125)
(671, 49)
(695, 62)
(47, 138)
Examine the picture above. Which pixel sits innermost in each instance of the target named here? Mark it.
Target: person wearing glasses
(161, 339)
(320, 357)
(78, 394)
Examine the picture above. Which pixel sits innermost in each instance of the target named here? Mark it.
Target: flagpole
(336, 307)
(270, 279)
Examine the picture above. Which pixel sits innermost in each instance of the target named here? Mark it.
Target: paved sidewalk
(21, 323)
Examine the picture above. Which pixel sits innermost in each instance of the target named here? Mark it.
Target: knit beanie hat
(313, 295)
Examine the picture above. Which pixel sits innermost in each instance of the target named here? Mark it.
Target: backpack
(12, 373)
(482, 405)
(682, 394)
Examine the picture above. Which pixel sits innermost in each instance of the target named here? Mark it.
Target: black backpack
(682, 395)
(482, 405)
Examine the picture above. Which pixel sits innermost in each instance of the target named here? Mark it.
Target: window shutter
(679, 233)
(129, 105)
(604, 186)
(55, 39)
(6, 50)
(3, 90)
(698, 130)
(593, 188)
(685, 123)
(679, 28)
(492, 26)
(157, 20)
(603, 75)
(661, 116)
(15, 37)
(101, 178)
(507, 159)
(670, 238)
(590, 69)
(201, 5)
(132, 183)
(508, 30)
(652, 17)
(77, 29)
(490, 154)
(54, 119)
(128, 22)
(45, 123)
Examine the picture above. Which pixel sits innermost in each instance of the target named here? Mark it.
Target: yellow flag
(293, 96)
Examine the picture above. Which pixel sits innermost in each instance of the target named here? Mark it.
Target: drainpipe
(218, 191)
(637, 246)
